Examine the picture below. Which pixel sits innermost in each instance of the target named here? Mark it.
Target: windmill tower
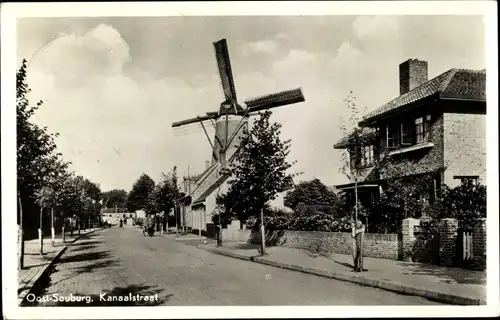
(229, 123)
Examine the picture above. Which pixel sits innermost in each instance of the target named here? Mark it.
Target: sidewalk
(35, 265)
(447, 285)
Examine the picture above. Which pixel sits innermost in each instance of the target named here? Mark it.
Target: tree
(37, 161)
(34, 145)
(115, 198)
(356, 138)
(404, 197)
(140, 194)
(165, 193)
(259, 171)
(312, 192)
(466, 203)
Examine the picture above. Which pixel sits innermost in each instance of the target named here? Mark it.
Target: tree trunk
(356, 199)
(63, 225)
(40, 231)
(52, 229)
(21, 234)
(262, 233)
(354, 244)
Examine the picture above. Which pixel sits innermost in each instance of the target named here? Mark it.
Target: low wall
(235, 235)
(375, 245)
(415, 242)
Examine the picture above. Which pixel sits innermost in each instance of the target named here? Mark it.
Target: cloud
(369, 27)
(112, 90)
(268, 46)
(97, 109)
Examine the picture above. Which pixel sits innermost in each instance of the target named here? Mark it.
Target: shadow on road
(86, 256)
(83, 247)
(446, 275)
(85, 243)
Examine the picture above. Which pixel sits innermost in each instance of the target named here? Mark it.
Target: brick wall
(479, 244)
(375, 245)
(412, 73)
(448, 242)
(464, 146)
(416, 162)
(407, 239)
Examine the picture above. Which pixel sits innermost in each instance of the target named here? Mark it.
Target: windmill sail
(194, 120)
(226, 73)
(230, 122)
(275, 100)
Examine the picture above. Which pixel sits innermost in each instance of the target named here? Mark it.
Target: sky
(113, 86)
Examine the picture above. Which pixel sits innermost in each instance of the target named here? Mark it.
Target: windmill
(229, 122)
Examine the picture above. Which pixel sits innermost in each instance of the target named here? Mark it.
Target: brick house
(435, 127)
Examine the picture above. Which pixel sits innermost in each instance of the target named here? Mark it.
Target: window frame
(463, 179)
(406, 134)
(367, 161)
(393, 136)
(424, 123)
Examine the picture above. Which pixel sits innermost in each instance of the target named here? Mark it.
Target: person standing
(358, 230)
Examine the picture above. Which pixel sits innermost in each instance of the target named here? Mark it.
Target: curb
(224, 253)
(380, 284)
(34, 281)
(193, 238)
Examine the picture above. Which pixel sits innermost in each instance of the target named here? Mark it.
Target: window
(406, 134)
(468, 179)
(422, 129)
(368, 156)
(392, 136)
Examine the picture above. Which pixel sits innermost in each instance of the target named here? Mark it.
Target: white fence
(467, 246)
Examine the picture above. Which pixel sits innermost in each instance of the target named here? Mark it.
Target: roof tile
(454, 81)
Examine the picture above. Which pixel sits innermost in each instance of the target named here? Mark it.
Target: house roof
(342, 143)
(454, 83)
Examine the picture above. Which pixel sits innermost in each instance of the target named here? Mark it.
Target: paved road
(120, 262)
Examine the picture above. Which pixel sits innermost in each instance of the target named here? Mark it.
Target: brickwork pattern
(417, 162)
(448, 241)
(374, 245)
(479, 244)
(412, 73)
(408, 238)
(464, 146)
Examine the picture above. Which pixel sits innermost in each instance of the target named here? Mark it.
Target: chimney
(412, 73)
(207, 164)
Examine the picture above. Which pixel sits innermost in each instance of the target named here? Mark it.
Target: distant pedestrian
(121, 223)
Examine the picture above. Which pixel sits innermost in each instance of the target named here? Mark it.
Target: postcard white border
(11, 11)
